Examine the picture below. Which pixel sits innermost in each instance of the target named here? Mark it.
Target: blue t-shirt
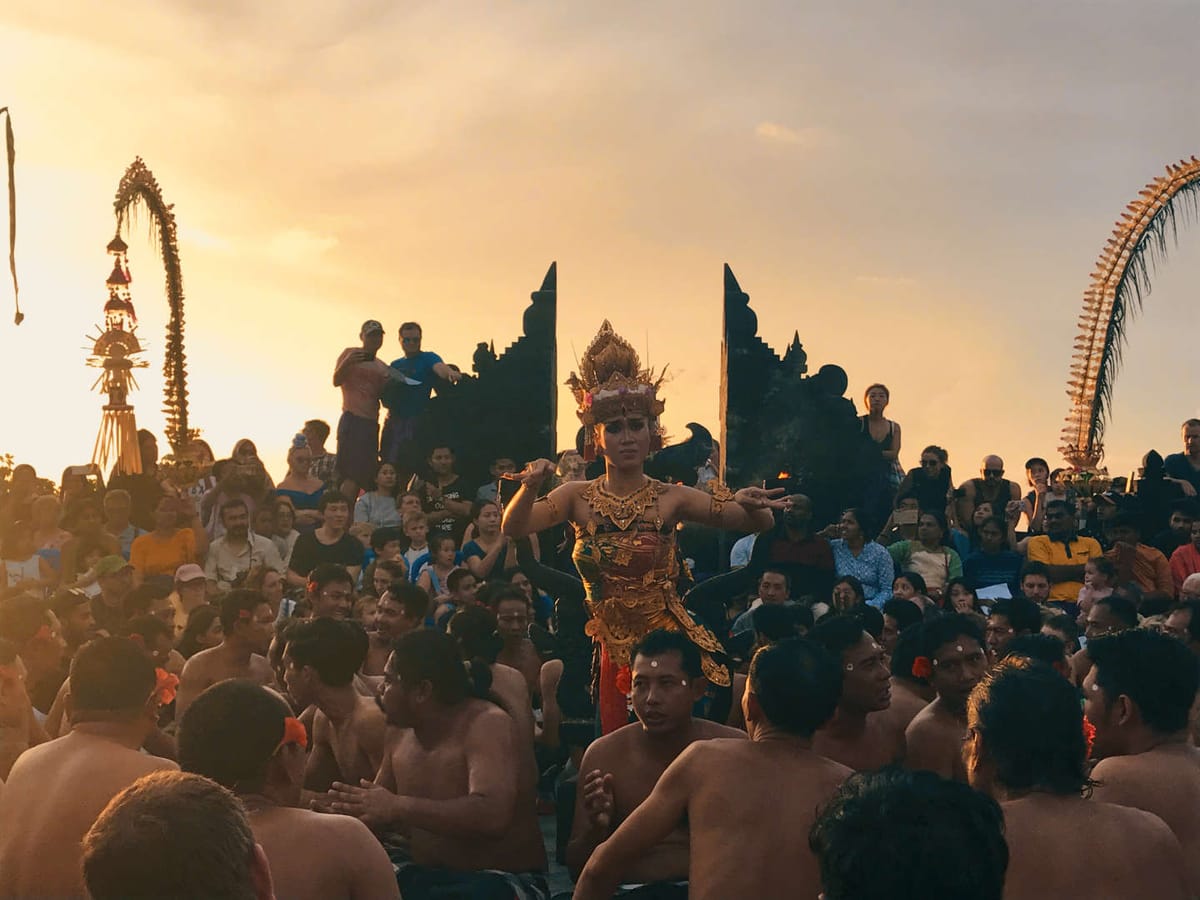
(407, 400)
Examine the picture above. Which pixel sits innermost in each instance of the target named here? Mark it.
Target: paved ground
(560, 881)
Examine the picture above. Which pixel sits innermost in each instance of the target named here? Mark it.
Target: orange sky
(920, 192)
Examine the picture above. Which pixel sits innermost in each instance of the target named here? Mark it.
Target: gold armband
(716, 504)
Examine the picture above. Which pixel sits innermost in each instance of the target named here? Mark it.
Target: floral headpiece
(612, 383)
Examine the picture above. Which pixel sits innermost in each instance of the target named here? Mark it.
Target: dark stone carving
(782, 426)
(509, 407)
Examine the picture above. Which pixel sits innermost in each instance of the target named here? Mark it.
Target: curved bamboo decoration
(1120, 282)
(139, 188)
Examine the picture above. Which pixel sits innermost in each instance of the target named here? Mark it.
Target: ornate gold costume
(628, 564)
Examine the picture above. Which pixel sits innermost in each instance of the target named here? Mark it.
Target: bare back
(1166, 782)
(53, 795)
(1071, 847)
(881, 743)
(322, 856)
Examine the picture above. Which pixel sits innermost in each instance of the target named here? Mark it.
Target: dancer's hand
(752, 498)
(534, 474)
(598, 799)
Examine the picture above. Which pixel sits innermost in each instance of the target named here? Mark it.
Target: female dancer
(625, 521)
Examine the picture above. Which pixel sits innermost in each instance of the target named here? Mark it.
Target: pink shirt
(362, 384)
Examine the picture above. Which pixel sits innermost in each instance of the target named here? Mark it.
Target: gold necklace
(621, 511)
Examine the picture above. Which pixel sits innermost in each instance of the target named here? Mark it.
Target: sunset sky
(919, 189)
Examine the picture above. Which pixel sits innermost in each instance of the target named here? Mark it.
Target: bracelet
(716, 503)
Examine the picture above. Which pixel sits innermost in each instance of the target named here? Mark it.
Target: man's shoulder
(706, 730)
(198, 662)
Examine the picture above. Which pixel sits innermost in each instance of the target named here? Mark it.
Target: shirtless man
(476, 632)
(320, 662)
(448, 779)
(513, 615)
(620, 770)
(1139, 695)
(362, 377)
(155, 840)
(57, 789)
(861, 734)
(401, 609)
(248, 623)
(1027, 749)
(954, 658)
(939, 838)
(1108, 616)
(243, 736)
(770, 786)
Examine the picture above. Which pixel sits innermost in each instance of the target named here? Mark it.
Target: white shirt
(226, 563)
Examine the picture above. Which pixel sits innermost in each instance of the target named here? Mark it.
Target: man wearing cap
(115, 577)
(362, 376)
(237, 551)
(407, 396)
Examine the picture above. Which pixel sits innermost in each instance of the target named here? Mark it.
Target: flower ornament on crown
(612, 383)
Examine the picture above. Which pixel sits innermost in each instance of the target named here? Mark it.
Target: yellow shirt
(1054, 553)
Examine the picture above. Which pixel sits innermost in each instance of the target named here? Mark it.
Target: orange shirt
(151, 555)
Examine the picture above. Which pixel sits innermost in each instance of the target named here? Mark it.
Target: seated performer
(249, 626)
(243, 737)
(1139, 695)
(861, 734)
(450, 779)
(57, 789)
(953, 660)
(625, 521)
(768, 788)
(620, 770)
(1027, 748)
(320, 661)
(155, 839)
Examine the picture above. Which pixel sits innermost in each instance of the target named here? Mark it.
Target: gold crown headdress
(612, 383)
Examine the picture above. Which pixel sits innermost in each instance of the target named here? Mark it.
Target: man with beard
(238, 551)
(449, 780)
(861, 734)
(619, 770)
(74, 610)
(247, 620)
(320, 661)
(953, 660)
(401, 609)
(1027, 748)
(1139, 695)
(792, 548)
(115, 577)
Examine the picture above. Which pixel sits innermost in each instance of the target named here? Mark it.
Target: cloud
(297, 245)
(781, 134)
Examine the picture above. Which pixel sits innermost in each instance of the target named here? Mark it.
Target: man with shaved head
(992, 487)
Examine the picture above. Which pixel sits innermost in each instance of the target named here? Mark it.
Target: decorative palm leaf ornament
(139, 188)
(1119, 284)
(11, 154)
